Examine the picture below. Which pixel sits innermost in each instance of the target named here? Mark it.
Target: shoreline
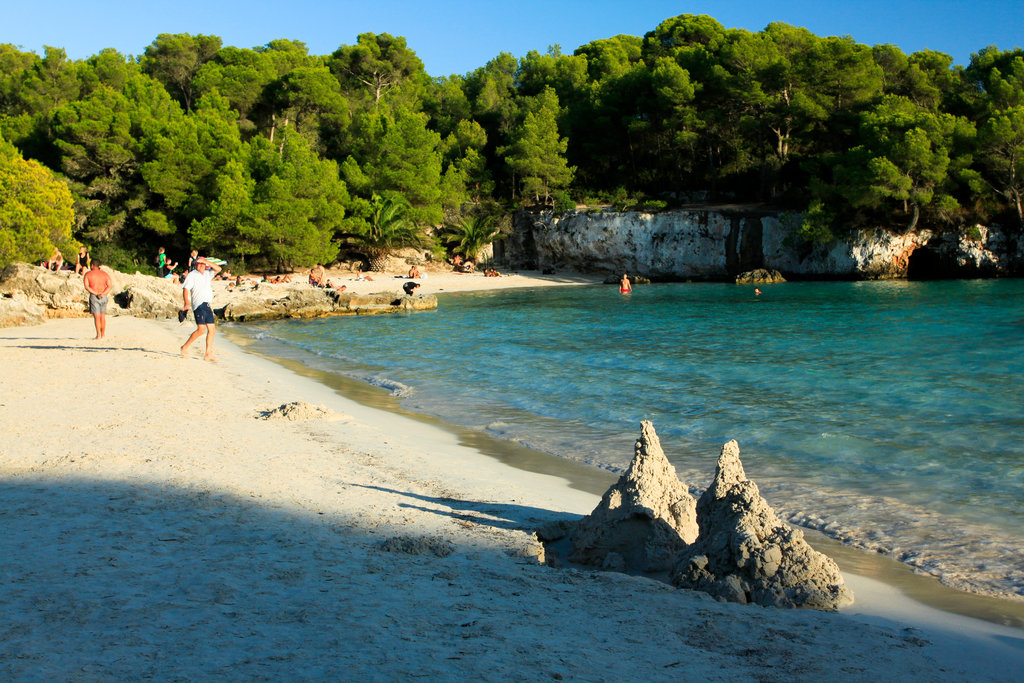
(959, 594)
(919, 587)
(151, 536)
(275, 531)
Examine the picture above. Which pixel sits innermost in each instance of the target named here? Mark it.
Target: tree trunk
(1020, 209)
(378, 261)
(914, 216)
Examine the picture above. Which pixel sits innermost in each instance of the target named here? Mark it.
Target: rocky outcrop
(721, 243)
(59, 293)
(143, 296)
(16, 310)
(759, 276)
(642, 521)
(62, 294)
(272, 302)
(745, 553)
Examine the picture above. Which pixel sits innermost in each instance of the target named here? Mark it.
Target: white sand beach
(159, 521)
(438, 279)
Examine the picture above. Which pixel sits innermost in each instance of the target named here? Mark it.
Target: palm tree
(471, 234)
(390, 229)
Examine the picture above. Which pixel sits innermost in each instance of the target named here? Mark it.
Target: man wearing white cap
(197, 292)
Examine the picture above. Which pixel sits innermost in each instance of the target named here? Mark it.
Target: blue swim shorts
(204, 314)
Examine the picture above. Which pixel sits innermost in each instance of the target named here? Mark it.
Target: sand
(166, 518)
(439, 280)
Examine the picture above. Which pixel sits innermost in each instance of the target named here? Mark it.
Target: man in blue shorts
(197, 292)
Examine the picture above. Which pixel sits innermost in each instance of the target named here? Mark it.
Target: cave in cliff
(928, 264)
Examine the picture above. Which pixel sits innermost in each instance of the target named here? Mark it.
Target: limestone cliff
(719, 244)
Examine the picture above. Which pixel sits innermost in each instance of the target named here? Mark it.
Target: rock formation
(643, 520)
(16, 310)
(719, 243)
(62, 294)
(759, 276)
(745, 553)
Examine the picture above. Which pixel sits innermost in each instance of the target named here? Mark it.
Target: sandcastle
(730, 544)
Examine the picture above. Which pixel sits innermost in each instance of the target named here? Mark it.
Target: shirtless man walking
(98, 284)
(197, 292)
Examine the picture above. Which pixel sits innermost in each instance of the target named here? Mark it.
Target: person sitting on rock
(170, 274)
(56, 261)
(82, 264)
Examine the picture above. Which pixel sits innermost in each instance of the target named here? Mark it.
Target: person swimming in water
(624, 285)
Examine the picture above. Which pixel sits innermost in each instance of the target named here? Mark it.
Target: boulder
(745, 553)
(148, 297)
(17, 309)
(272, 302)
(643, 520)
(61, 293)
(759, 276)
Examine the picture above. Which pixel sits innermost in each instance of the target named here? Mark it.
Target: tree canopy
(277, 157)
(35, 209)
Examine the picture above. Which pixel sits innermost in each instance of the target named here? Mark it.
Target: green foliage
(910, 155)
(398, 154)
(268, 154)
(653, 205)
(816, 227)
(563, 202)
(175, 59)
(389, 227)
(377, 66)
(471, 233)
(35, 210)
(536, 155)
(281, 208)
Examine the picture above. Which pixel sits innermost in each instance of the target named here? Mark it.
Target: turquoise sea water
(887, 414)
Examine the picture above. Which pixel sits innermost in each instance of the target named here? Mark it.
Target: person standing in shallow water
(98, 283)
(197, 294)
(624, 285)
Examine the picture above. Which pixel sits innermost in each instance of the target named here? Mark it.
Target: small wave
(396, 388)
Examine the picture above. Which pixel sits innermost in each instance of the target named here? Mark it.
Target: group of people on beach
(318, 278)
(197, 293)
(462, 266)
(197, 287)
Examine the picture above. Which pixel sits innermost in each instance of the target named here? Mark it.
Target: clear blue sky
(457, 36)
